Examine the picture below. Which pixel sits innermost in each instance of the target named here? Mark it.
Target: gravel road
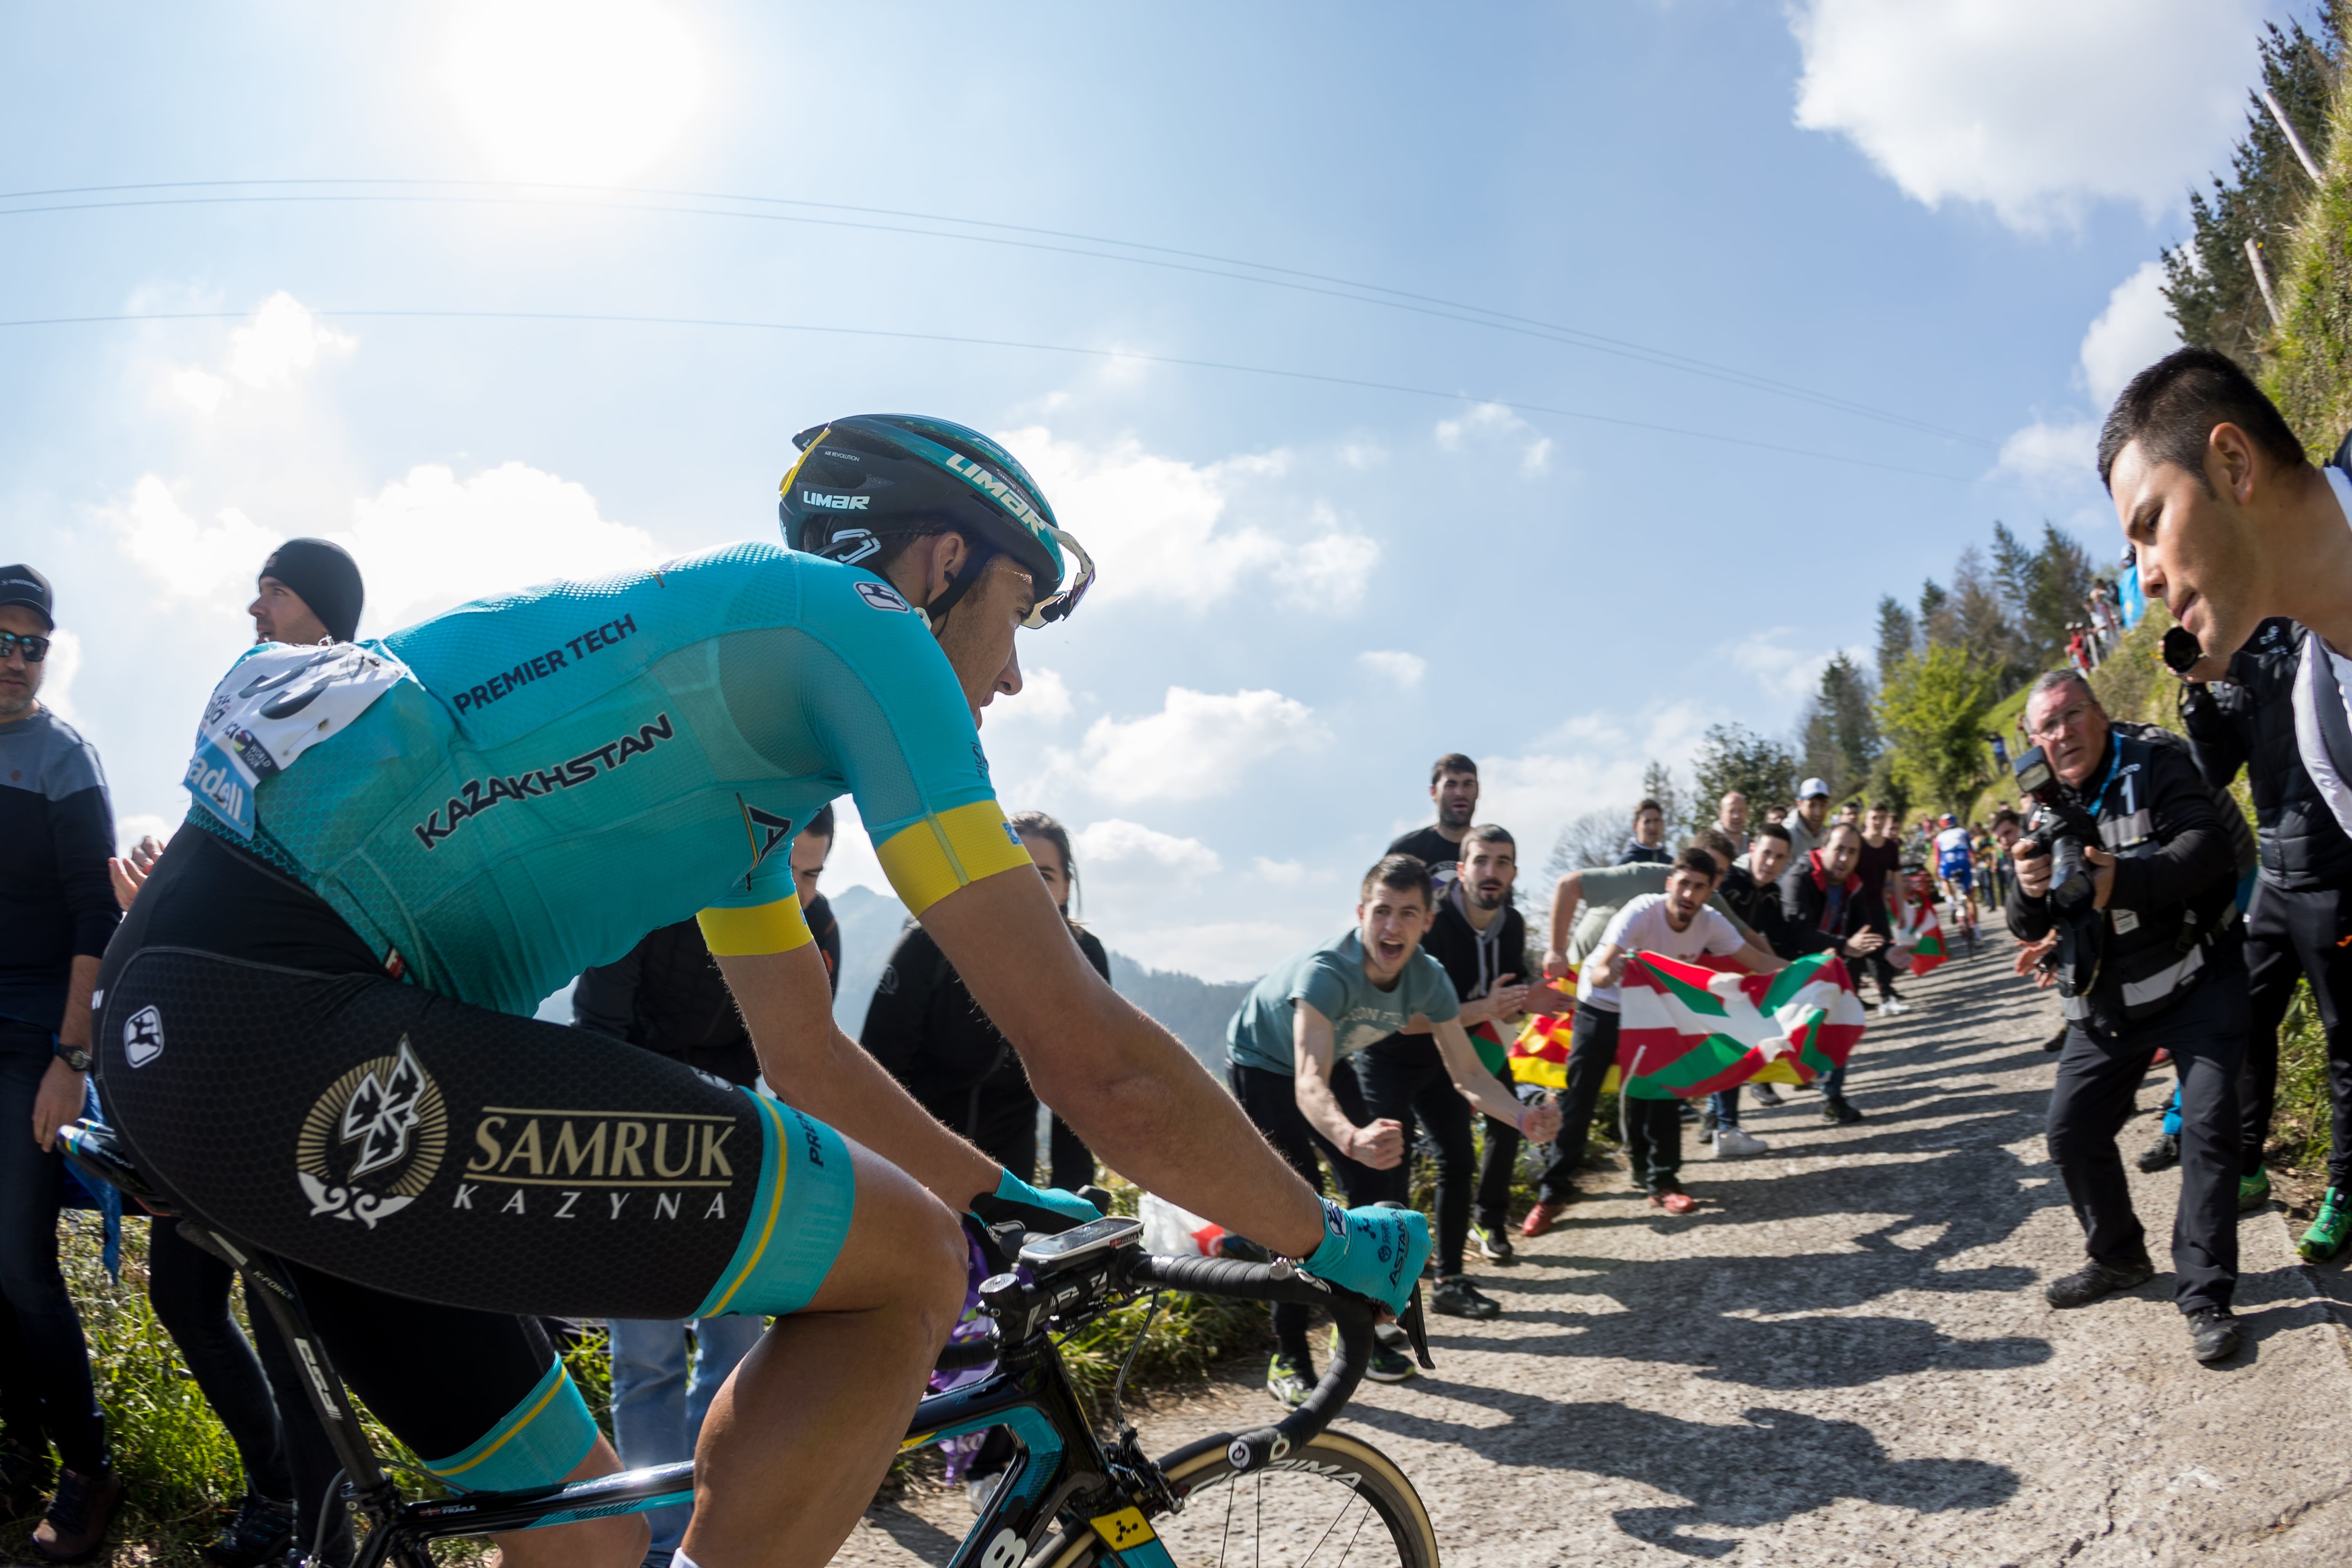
(1844, 1356)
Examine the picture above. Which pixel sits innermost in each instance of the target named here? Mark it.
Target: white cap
(1812, 787)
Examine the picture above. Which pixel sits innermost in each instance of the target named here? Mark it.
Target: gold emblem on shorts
(375, 1140)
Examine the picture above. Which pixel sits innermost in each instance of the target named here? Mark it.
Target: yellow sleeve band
(769, 928)
(928, 860)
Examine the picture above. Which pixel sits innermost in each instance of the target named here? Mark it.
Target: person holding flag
(1679, 924)
(1824, 899)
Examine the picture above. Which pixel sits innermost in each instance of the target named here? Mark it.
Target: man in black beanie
(310, 593)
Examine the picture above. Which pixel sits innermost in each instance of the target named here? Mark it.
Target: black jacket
(667, 994)
(927, 1032)
(2175, 879)
(1759, 904)
(2248, 720)
(1806, 923)
(1637, 853)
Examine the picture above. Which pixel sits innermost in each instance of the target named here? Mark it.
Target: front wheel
(1332, 1499)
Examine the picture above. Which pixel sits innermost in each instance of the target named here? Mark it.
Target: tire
(1334, 1498)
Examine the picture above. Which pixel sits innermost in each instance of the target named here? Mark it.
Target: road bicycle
(1292, 1493)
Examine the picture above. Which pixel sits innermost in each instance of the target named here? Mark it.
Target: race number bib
(271, 708)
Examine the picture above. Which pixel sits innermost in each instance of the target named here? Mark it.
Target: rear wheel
(1331, 1500)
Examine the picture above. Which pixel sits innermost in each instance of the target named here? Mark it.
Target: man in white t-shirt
(1677, 923)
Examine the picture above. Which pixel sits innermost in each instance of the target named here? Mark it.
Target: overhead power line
(1169, 258)
(1514, 404)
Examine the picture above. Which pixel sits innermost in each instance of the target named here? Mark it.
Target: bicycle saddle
(97, 1151)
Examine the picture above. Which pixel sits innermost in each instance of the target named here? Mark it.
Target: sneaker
(977, 1492)
(75, 1525)
(1390, 1364)
(1766, 1094)
(2212, 1334)
(1494, 1245)
(1668, 1194)
(2329, 1228)
(1892, 1008)
(2093, 1280)
(1731, 1143)
(1457, 1297)
(1836, 1109)
(1542, 1217)
(2160, 1155)
(261, 1530)
(2254, 1191)
(1289, 1380)
(2057, 1042)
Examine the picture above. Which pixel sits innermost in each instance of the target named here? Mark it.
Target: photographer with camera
(2130, 861)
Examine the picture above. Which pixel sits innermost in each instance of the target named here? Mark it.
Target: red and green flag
(1923, 933)
(1686, 1030)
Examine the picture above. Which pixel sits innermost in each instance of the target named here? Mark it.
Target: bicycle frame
(1060, 1456)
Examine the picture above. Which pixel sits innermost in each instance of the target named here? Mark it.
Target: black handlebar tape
(1255, 1450)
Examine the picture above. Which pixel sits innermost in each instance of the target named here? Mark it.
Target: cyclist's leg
(796, 1444)
(406, 1142)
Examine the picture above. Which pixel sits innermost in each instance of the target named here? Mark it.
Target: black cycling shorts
(395, 1139)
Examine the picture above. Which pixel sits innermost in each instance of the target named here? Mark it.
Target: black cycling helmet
(871, 475)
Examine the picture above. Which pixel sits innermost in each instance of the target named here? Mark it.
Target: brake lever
(1416, 1329)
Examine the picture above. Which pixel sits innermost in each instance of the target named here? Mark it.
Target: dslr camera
(2060, 829)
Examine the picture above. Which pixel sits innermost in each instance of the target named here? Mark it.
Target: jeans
(45, 1394)
(259, 1398)
(1406, 1079)
(2097, 1079)
(1270, 1100)
(657, 1406)
(1726, 1106)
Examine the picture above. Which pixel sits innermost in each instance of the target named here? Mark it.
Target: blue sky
(1311, 586)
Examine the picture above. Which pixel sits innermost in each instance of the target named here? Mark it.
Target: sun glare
(584, 92)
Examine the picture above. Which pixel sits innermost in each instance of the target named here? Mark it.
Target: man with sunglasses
(318, 1033)
(58, 912)
(2157, 962)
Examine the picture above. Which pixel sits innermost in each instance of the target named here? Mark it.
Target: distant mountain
(1194, 1010)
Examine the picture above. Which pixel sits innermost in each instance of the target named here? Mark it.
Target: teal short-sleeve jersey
(569, 767)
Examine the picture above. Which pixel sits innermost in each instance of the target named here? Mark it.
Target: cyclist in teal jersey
(315, 1028)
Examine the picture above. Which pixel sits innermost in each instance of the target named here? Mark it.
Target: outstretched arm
(1133, 1092)
(1484, 1091)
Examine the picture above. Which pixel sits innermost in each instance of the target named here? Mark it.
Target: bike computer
(1094, 1237)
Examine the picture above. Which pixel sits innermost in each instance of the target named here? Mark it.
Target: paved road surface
(1843, 1357)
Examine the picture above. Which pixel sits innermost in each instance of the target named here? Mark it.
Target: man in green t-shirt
(1316, 1010)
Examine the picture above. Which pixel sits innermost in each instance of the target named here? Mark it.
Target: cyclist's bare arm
(815, 1067)
(1314, 1051)
(1125, 1084)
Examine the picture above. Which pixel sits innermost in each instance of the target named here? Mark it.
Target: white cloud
(432, 541)
(1589, 763)
(270, 352)
(283, 338)
(1161, 527)
(1495, 421)
(1401, 669)
(1784, 671)
(1116, 842)
(2036, 109)
(1281, 873)
(1197, 746)
(190, 560)
(57, 671)
(2051, 455)
(1222, 950)
(1044, 701)
(2133, 332)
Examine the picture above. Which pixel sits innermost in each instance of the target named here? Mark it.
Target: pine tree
(1658, 785)
(1898, 633)
(1734, 757)
(2216, 302)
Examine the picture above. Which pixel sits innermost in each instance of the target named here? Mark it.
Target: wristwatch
(75, 1057)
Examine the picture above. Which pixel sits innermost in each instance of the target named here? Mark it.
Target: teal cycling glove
(1375, 1252)
(1046, 1209)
